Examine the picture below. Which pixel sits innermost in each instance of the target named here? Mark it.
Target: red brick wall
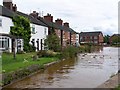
(48, 17)
(101, 38)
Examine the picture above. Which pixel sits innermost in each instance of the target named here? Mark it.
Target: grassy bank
(24, 65)
(22, 61)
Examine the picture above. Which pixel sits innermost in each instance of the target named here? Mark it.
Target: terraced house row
(40, 28)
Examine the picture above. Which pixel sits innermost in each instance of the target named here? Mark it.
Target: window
(33, 29)
(81, 38)
(4, 42)
(95, 42)
(0, 22)
(91, 37)
(95, 37)
(45, 32)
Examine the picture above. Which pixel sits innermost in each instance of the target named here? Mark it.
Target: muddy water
(86, 71)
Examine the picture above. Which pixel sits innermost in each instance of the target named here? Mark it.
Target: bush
(46, 53)
(70, 52)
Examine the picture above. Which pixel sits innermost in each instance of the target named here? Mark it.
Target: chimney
(15, 8)
(59, 21)
(66, 24)
(48, 17)
(34, 14)
(8, 4)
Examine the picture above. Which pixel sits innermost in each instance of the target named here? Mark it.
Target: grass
(22, 61)
(118, 88)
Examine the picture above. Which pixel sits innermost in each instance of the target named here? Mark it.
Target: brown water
(87, 71)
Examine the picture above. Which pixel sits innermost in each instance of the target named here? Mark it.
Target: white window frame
(4, 42)
(33, 29)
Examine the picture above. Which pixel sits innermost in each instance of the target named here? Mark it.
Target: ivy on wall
(22, 28)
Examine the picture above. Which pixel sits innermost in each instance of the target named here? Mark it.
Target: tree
(22, 28)
(106, 39)
(116, 40)
(53, 42)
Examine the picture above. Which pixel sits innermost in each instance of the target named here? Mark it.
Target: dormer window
(0, 22)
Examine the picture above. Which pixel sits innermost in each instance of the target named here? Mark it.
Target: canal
(86, 71)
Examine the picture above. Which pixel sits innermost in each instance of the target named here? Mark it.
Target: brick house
(63, 30)
(114, 36)
(91, 37)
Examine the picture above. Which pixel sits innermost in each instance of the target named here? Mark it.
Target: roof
(32, 19)
(11, 36)
(51, 24)
(56, 26)
(8, 13)
(39, 21)
(115, 35)
(90, 33)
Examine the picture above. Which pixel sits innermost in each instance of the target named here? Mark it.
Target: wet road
(86, 71)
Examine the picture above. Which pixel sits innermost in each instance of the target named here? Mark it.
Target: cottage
(40, 26)
(63, 30)
(39, 30)
(91, 37)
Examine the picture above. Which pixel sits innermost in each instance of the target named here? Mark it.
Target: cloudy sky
(83, 15)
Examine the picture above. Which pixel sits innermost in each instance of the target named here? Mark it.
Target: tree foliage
(116, 40)
(106, 39)
(53, 42)
(22, 28)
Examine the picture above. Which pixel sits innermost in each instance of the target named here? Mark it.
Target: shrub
(41, 53)
(46, 53)
(70, 52)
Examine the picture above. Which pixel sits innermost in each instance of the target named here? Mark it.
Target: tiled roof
(39, 21)
(8, 13)
(90, 33)
(32, 19)
(53, 25)
(116, 35)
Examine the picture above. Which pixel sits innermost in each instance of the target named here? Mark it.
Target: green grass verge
(22, 61)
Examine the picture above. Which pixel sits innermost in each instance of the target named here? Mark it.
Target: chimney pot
(66, 24)
(15, 8)
(59, 21)
(48, 17)
(8, 4)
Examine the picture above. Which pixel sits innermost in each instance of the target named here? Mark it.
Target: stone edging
(18, 75)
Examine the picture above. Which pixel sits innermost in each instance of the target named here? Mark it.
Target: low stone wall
(12, 77)
(8, 78)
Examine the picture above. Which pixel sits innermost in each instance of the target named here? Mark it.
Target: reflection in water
(86, 71)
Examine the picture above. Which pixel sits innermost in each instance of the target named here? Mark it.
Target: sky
(82, 15)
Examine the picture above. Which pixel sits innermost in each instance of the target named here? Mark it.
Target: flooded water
(87, 71)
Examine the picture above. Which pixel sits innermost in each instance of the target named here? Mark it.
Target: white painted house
(6, 40)
(39, 30)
